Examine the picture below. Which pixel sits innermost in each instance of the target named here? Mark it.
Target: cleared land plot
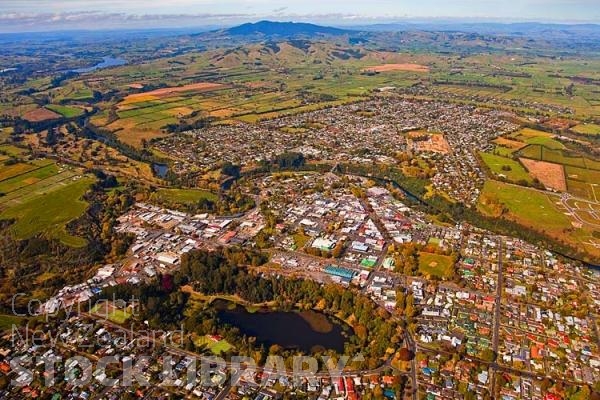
(183, 196)
(588, 212)
(436, 143)
(583, 190)
(551, 175)
(48, 213)
(436, 265)
(507, 167)
(398, 67)
(40, 114)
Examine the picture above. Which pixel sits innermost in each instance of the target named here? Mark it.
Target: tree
(405, 354)
(488, 355)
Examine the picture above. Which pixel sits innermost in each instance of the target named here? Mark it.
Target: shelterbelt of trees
(227, 272)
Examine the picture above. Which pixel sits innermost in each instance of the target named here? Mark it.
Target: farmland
(42, 197)
(397, 67)
(587, 129)
(46, 210)
(511, 169)
(535, 137)
(65, 111)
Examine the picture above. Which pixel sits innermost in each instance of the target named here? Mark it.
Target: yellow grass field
(398, 67)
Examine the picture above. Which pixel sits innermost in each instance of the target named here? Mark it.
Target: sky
(35, 15)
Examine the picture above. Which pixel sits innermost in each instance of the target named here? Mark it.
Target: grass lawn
(183, 196)
(495, 163)
(7, 321)
(216, 347)
(48, 213)
(67, 112)
(119, 316)
(436, 265)
(108, 311)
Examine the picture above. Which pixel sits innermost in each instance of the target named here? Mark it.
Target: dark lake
(106, 63)
(307, 331)
(160, 169)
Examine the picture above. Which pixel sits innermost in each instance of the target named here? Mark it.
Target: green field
(65, 111)
(436, 265)
(183, 196)
(18, 176)
(12, 150)
(529, 207)
(504, 151)
(581, 182)
(542, 153)
(495, 163)
(48, 213)
(115, 315)
(535, 209)
(7, 322)
(547, 142)
(216, 347)
(587, 129)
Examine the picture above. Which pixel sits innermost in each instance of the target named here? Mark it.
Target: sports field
(436, 265)
(183, 196)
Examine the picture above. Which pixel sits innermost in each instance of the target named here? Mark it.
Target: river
(106, 63)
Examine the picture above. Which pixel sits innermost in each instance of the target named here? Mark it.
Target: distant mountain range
(284, 29)
(516, 28)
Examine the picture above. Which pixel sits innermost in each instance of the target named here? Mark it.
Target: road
(496, 330)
